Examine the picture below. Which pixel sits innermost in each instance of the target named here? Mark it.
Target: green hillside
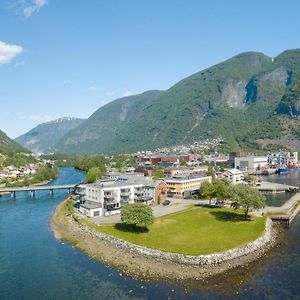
(44, 136)
(240, 99)
(8, 146)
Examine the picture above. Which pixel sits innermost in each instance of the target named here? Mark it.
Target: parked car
(167, 202)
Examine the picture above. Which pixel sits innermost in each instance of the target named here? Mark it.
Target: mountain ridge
(228, 99)
(42, 137)
(9, 146)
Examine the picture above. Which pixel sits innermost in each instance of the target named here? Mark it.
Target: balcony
(125, 193)
(109, 195)
(139, 192)
(143, 199)
(110, 202)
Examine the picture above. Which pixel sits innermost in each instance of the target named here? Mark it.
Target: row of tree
(241, 196)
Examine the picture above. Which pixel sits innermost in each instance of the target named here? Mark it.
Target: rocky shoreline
(140, 264)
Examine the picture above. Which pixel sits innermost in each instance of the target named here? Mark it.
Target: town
(159, 178)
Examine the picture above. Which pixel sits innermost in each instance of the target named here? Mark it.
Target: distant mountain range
(41, 138)
(251, 100)
(8, 146)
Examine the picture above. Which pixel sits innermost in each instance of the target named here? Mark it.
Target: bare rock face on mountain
(234, 93)
(267, 85)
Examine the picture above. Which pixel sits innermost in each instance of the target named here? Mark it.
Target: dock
(286, 213)
(272, 187)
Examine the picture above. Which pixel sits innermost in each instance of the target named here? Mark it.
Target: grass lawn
(194, 231)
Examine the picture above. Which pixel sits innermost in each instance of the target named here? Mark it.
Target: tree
(137, 215)
(183, 163)
(211, 172)
(93, 174)
(158, 199)
(208, 191)
(158, 173)
(247, 198)
(220, 189)
(250, 179)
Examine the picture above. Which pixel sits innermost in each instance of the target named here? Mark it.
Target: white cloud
(92, 88)
(68, 81)
(32, 6)
(27, 7)
(128, 93)
(8, 52)
(20, 64)
(109, 93)
(37, 118)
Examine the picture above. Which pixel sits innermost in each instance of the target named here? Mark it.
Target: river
(34, 265)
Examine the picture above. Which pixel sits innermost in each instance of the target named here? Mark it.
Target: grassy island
(194, 231)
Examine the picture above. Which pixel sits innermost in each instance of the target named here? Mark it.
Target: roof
(235, 171)
(110, 185)
(185, 179)
(90, 205)
(145, 181)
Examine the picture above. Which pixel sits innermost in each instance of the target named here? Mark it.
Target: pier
(286, 213)
(272, 187)
(33, 189)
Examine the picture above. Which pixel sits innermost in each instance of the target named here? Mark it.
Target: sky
(68, 58)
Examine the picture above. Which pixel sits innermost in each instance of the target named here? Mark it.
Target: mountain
(251, 100)
(44, 136)
(8, 146)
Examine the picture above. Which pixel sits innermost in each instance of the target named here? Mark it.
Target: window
(96, 213)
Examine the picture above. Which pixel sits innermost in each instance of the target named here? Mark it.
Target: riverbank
(137, 265)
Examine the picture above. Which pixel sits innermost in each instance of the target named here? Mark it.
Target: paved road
(158, 210)
(181, 204)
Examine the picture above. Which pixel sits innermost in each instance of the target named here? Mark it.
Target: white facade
(251, 163)
(109, 197)
(91, 209)
(234, 176)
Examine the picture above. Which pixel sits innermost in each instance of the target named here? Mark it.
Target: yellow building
(184, 187)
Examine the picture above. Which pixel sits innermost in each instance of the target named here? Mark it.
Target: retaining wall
(211, 259)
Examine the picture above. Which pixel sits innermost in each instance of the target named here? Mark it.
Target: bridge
(32, 189)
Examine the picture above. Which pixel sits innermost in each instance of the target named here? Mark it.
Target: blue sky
(68, 58)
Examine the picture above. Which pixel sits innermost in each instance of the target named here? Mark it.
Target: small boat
(283, 170)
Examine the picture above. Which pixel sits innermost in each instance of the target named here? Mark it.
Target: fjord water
(34, 265)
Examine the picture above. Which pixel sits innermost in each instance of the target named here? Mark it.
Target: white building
(107, 197)
(234, 176)
(251, 163)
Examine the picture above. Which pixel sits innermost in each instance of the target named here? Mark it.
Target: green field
(194, 231)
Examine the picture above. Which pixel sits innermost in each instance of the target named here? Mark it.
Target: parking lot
(158, 210)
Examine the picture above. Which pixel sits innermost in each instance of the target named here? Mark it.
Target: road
(158, 210)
